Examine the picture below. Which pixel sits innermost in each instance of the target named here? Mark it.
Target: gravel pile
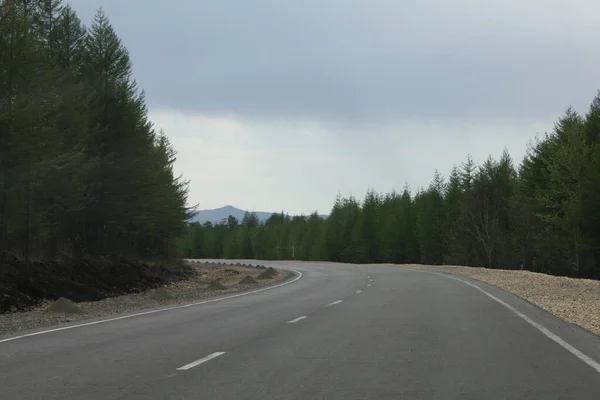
(573, 300)
(186, 291)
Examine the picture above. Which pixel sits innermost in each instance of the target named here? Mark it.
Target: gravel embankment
(196, 288)
(573, 300)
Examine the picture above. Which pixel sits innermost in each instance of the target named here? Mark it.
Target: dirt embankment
(194, 281)
(83, 279)
(573, 300)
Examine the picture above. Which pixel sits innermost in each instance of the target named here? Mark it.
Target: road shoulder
(213, 281)
(585, 341)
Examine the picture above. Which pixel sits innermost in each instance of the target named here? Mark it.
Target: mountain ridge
(215, 215)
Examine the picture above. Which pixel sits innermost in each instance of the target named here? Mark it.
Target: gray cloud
(347, 61)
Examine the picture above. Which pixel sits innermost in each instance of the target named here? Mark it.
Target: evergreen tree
(81, 169)
(429, 214)
(453, 224)
(566, 170)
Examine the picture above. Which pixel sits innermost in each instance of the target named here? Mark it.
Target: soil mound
(268, 273)
(63, 306)
(161, 294)
(248, 280)
(216, 285)
(232, 271)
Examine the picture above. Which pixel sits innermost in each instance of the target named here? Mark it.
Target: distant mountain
(215, 216)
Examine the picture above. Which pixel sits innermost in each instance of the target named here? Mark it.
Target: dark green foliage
(542, 216)
(428, 206)
(82, 171)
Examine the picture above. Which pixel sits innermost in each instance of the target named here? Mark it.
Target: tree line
(541, 215)
(82, 169)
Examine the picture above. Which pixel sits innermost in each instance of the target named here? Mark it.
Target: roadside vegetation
(540, 216)
(85, 179)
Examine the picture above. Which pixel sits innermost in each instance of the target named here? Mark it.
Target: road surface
(340, 332)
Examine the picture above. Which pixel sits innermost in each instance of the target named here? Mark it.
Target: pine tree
(389, 228)
(247, 237)
(25, 92)
(429, 220)
(367, 234)
(315, 237)
(467, 172)
(453, 231)
(81, 168)
(333, 231)
(61, 188)
(592, 121)
(46, 14)
(566, 171)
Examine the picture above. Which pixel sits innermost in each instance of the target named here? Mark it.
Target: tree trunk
(28, 227)
(4, 140)
(3, 218)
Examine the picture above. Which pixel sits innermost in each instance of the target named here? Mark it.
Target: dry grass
(573, 300)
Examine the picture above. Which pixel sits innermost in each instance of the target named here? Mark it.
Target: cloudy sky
(282, 104)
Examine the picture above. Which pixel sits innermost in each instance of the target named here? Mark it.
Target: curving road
(339, 332)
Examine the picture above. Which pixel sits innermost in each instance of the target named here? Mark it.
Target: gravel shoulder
(573, 300)
(200, 286)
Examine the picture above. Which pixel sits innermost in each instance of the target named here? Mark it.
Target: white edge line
(64, 328)
(564, 344)
(296, 320)
(334, 303)
(201, 361)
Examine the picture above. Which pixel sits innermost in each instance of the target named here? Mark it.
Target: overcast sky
(276, 104)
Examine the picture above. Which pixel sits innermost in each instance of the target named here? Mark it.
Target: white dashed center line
(358, 291)
(201, 361)
(334, 303)
(296, 320)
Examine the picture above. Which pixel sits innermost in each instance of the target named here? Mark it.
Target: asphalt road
(340, 332)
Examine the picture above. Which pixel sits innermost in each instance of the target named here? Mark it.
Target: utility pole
(293, 253)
